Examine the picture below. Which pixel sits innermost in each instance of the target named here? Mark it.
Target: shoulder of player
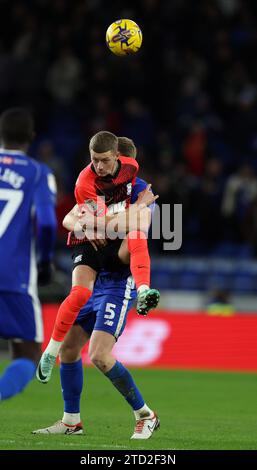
(39, 166)
(140, 181)
(44, 174)
(139, 185)
(85, 184)
(35, 168)
(86, 174)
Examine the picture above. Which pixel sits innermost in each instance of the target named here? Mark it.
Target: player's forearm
(46, 230)
(70, 221)
(46, 236)
(135, 217)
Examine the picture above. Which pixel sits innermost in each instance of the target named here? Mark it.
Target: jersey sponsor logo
(7, 160)
(129, 189)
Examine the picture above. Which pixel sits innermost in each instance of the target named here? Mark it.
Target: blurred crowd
(188, 99)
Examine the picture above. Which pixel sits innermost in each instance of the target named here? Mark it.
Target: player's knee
(79, 295)
(69, 353)
(26, 349)
(123, 252)
(98, 359)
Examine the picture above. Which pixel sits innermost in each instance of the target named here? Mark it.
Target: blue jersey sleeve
(139, 186)
(44, 202)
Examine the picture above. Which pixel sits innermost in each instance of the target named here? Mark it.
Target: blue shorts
(107, 309)
(20, 317)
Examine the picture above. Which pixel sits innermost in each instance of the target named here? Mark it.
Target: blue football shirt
(27, 204)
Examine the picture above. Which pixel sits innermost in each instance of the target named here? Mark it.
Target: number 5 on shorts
(110, 314)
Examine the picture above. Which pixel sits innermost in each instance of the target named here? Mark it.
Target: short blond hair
(104, 141)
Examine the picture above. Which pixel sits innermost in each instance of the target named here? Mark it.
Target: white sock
(142, 288)
(71, 418)
(144, 412)
(53, 347)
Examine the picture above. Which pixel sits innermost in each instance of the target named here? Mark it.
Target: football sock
(53, 347)
(139, 258)
(144, 412)
(142, 288)
(72, 384)
(15, 377)
(123, 381)
(71, 418)
(69, 310)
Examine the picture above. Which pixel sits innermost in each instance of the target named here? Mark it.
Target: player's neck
(115, 169)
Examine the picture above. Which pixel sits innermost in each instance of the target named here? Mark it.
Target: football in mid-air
(124, 37)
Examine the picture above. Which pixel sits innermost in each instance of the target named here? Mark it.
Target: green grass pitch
(198, 410)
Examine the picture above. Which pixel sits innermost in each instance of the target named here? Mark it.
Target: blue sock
(123, 381)
(15, 377)
(72, 384)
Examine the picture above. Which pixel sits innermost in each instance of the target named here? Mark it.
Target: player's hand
(146, 196)
(98, 244)
(45, 273)
(80, 210)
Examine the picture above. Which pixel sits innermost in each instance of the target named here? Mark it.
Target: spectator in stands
(220, 303)
(240, 191)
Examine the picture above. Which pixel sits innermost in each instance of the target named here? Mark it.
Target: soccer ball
(124, 37)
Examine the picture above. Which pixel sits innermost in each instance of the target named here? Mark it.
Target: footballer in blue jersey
(106, 312)
(27, 223)
(114, 292)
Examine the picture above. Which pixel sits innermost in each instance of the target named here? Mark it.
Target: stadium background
(189, 101)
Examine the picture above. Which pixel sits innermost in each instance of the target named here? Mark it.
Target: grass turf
(198, 410)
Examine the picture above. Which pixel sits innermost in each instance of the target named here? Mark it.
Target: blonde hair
(104, 141)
